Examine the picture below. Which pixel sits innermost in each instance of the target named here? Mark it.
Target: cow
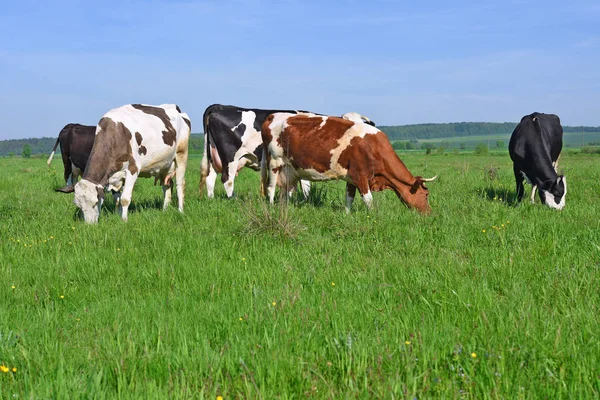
(323, 148)
(133, 141)
(76, 143)
(232, 141)
(534, 148)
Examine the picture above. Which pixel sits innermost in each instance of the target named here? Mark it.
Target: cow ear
(100, 191)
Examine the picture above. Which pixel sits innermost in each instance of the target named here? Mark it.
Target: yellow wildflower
(4, 368)
(241, 319)
(62, 296)
(407, 342)
(219, 397)
(474, 355)
(274, 304)
(483, 230)
(14, 369)
(13, 287)
(332, 283)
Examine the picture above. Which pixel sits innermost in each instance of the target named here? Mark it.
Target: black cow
(534, 148)
(233, 136)
(76, 142)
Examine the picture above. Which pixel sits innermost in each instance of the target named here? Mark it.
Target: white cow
(134, 141)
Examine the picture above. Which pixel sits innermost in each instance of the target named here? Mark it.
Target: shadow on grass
(507, 197)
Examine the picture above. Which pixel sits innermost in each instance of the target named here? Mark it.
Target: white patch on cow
(305, 188)
(549, 197)
(533, 190)
(322, 124)
(210, 182)
(356, 130)
(368, 199)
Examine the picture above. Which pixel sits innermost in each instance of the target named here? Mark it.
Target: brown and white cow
(134, 141)
(322, 148)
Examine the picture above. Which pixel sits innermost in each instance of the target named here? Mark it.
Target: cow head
(89, 198)
(554, 196)
(417, 196)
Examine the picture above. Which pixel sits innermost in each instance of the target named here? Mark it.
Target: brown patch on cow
(132, 167)
(188, 122)
(142, 150)
(138, 138)
(112, 148)
(266, 131)
(177, 108)
(169, 135)
(311, 144)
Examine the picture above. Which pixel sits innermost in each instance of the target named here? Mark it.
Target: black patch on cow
(169, 135)
(142, 150)
(240, 129)
(188, 122)
(177, 108)
(138, 138)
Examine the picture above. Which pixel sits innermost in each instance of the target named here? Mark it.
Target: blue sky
(396, 62)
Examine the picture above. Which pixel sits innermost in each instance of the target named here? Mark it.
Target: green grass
(309, 303)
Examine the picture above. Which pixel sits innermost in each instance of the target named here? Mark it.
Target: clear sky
(398, 62)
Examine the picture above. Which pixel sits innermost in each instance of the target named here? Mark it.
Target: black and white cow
(232, 140)
(134, 141)
(76, 143)
(534, 148)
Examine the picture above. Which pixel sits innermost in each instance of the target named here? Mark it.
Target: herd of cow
(288, 146)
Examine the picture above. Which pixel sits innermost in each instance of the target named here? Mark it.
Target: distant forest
(460, 129)
(401, 132)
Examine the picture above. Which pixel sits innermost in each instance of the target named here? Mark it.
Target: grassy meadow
(481, 299)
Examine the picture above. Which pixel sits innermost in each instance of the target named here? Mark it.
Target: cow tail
(53, 151)
(205, 164)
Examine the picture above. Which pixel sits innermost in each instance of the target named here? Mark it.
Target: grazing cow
(134, 141)
(534, 148)
(322, 148)
(231, 141)
(76, 143)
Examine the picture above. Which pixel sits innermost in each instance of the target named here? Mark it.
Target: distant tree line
(407, 133)
(435, 131)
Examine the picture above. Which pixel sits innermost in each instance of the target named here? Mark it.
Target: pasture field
(481, 299)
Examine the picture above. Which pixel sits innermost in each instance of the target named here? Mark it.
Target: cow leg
(519, 181)
(68, 170)
(533, 190)
(210, 182)
(232, 169)
(167, 193)
(305, 188)
(180, 167)
(75, 173)
(127, 191)
(350, 193)
(274, 169)
(117, 197)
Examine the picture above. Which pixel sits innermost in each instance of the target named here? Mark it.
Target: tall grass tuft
(274, 221)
